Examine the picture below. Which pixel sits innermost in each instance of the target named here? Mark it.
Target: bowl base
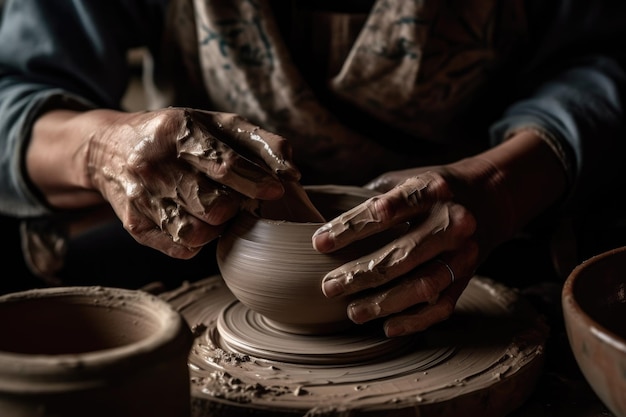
(245, 331)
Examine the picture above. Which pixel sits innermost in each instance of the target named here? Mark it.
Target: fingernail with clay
(394, 329)
(273, 191)
(332, 288)
(362, 312)
(322, 239)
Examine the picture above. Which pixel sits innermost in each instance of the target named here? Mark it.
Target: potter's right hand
(173, 176)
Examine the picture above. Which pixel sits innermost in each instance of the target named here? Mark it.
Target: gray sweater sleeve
(62, 54)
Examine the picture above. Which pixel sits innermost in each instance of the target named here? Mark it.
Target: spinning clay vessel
(270, 266)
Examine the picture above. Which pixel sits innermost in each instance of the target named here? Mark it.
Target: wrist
(520, 178)
(56, 159)
(488, 198)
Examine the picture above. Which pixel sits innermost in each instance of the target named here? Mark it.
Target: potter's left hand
(413, 285)
(457, 214)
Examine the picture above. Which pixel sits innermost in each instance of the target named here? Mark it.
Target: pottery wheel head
(242, 330)
(492, 347)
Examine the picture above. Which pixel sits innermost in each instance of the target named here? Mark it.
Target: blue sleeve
(576, 90)
(61, 53)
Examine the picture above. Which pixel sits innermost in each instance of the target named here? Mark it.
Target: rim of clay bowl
(323, 190)
(171, 333)
(576, 311)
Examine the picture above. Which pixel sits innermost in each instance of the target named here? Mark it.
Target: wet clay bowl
(270, 266)
(92, 351)
(594, 308)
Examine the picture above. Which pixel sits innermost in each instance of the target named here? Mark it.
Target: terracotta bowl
(92, 351)
(271, 267)
(594, 308)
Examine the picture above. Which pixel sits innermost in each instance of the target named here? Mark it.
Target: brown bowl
(271, 267)
(594, 309)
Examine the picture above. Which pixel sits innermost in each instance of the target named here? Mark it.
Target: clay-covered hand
(415, 280)
(175, 176)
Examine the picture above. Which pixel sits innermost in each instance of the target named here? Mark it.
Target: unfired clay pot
(594, 310)
(92, 351)
(271, 267)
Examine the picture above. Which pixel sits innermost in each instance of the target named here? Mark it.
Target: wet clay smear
(484, 360)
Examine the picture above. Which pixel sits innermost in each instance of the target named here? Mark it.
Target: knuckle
(425, 189)
(464, 221)
(425, 289)
(384, 208)
(446, 307)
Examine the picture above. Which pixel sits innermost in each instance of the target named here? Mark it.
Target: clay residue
(493, 342)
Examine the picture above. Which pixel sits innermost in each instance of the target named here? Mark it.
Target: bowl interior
(330, 200)
(599, 289)
(594, 307)
(73, 321)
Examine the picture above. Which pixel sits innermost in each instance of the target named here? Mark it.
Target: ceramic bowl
(594, 308)
(92, 351)
(271, 267)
